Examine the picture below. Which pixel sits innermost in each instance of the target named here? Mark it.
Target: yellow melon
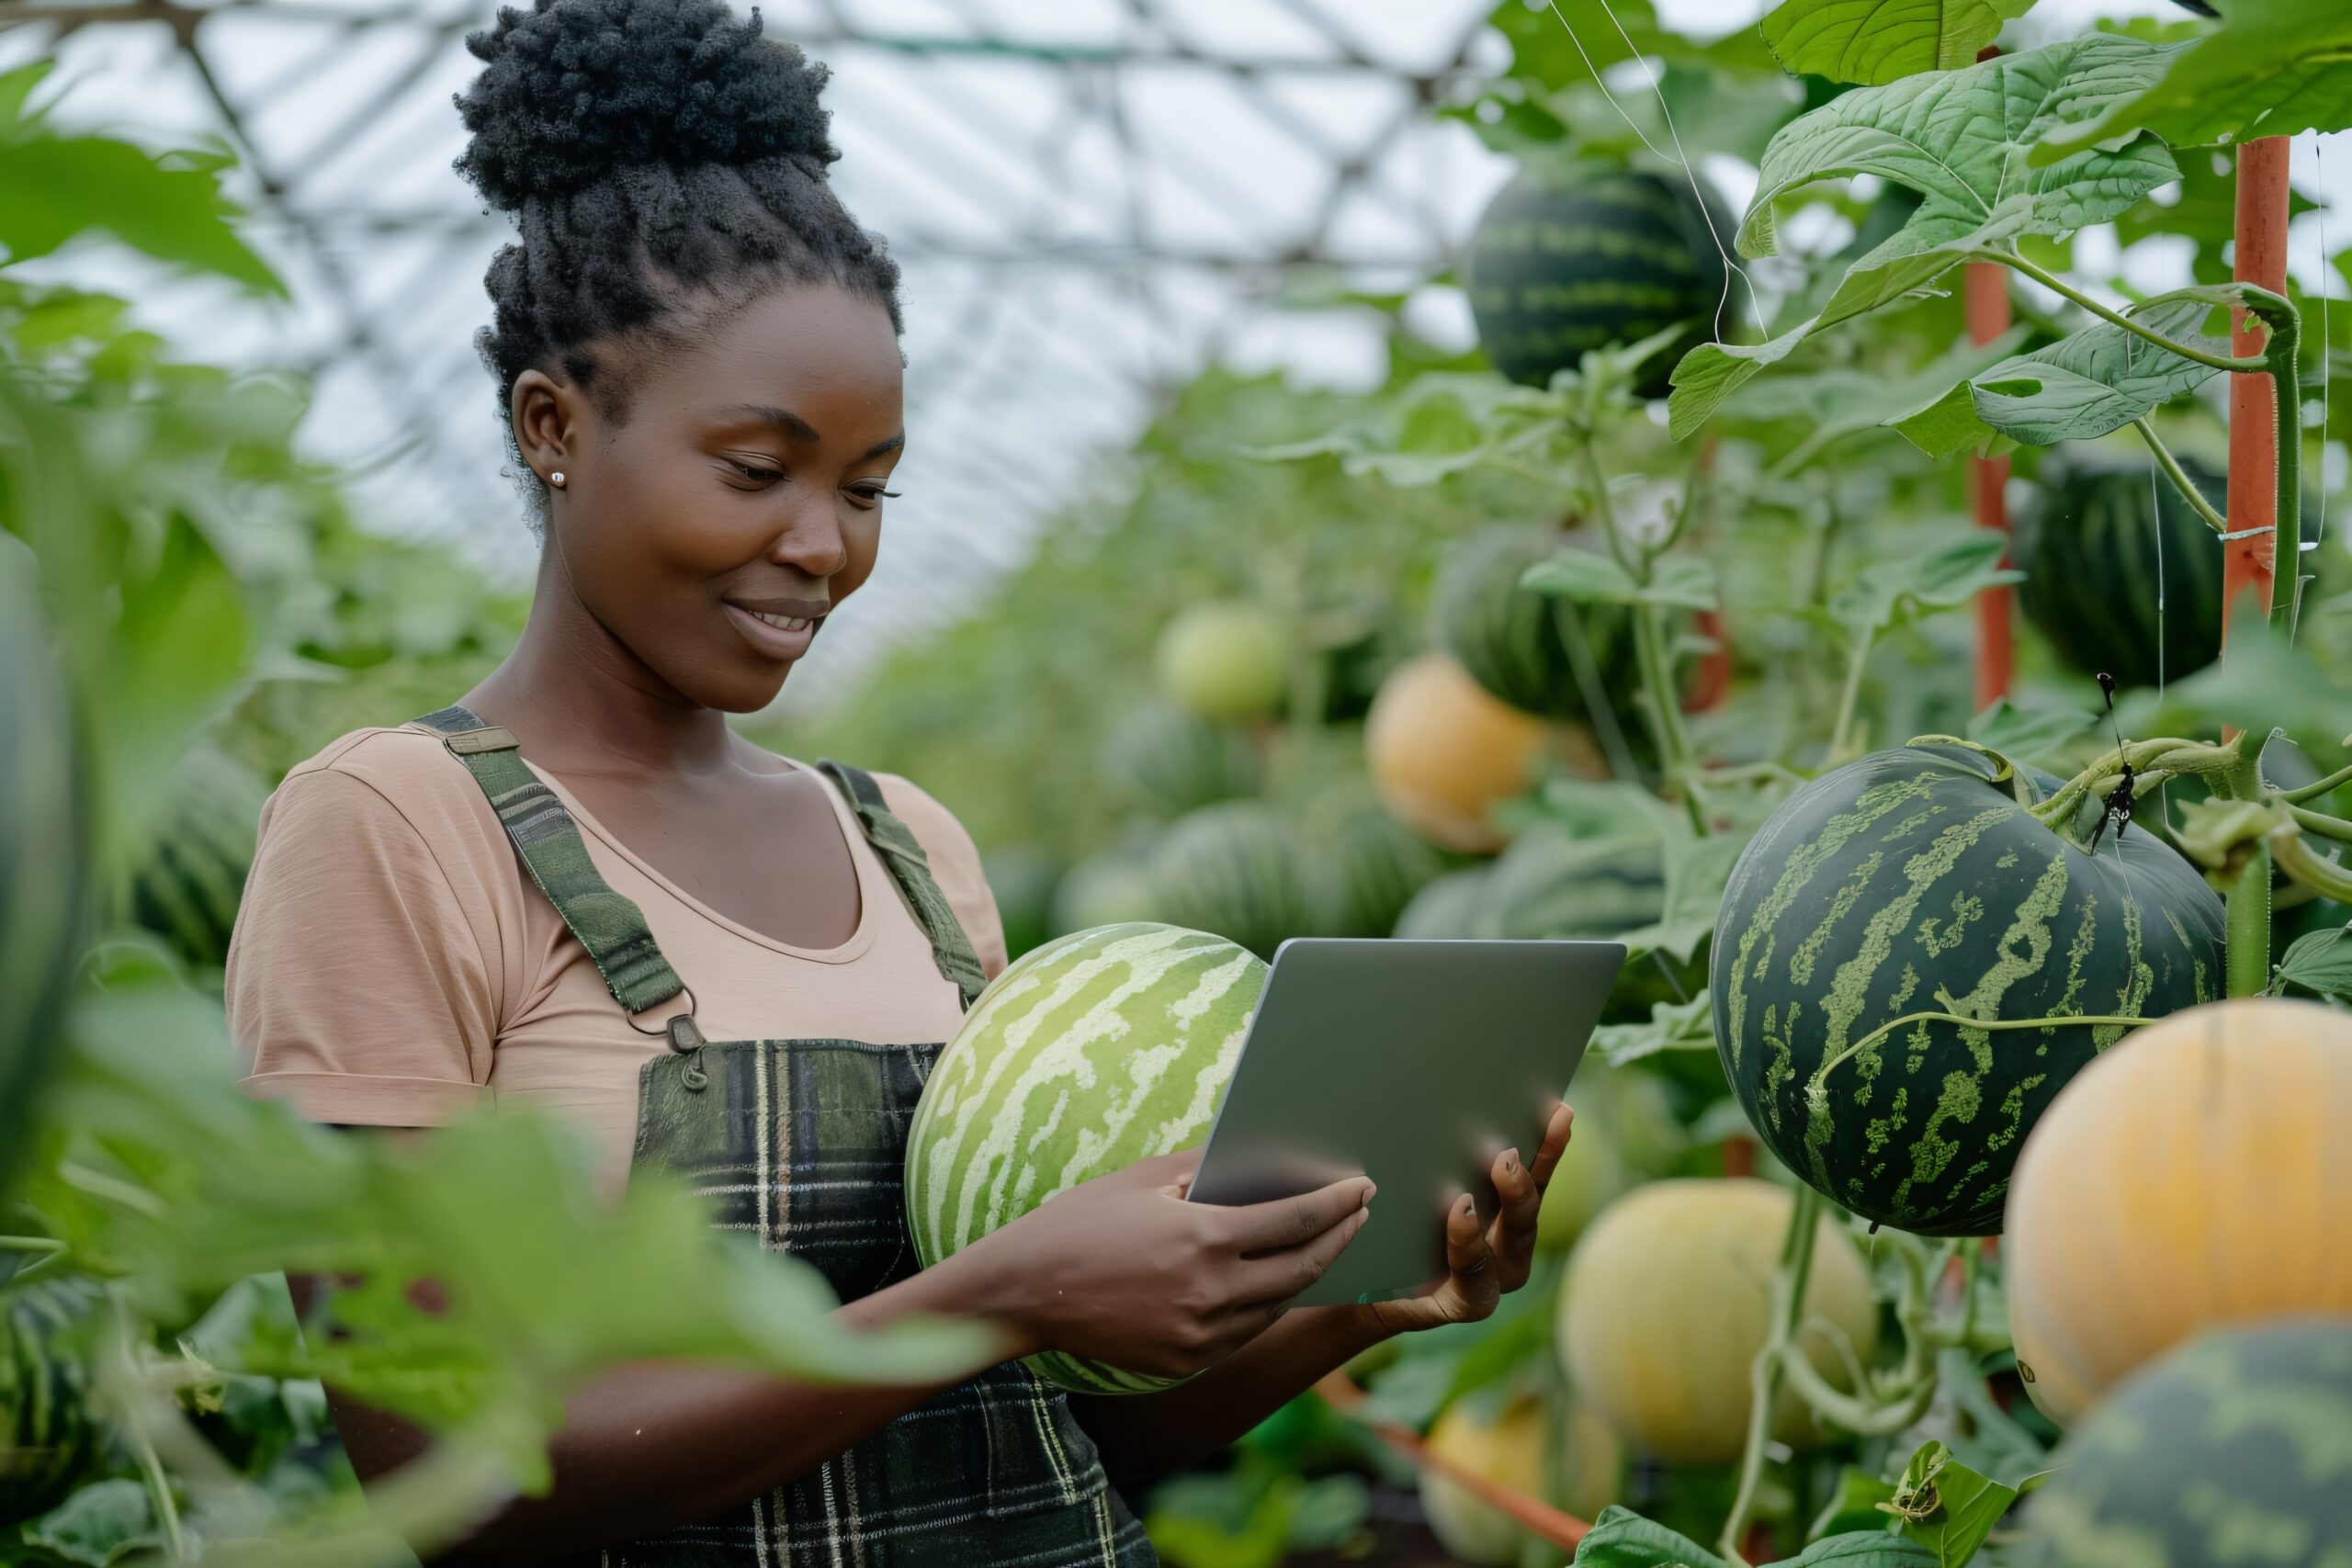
(1669, 1299)
(1442, 752)
(2197, 1175)
(1510, 1448)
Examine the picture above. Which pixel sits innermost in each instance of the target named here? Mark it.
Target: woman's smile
(777, 628)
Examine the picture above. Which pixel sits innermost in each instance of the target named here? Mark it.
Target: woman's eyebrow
(792, 425)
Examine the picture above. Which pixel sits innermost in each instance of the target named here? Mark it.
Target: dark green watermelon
(194, 873)
(1911, 881)
(1171, 761)
(44, 853)
(1364, 867)
(2089, 550)
(2236, 1448)
(1569, 259)
(1235, 869)
(1523, 647)
(48, 1346)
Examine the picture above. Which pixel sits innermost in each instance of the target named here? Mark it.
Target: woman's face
(741, 501)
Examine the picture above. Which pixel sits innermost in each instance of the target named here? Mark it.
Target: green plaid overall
(803, 1143)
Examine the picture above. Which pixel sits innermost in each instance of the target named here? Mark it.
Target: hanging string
(2295, 614)
(1680, 158)
(2156, 514)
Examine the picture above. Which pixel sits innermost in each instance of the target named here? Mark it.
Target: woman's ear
(545, 429)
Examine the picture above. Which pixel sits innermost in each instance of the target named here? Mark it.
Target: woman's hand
(1122, 1269)
(1484, 1264)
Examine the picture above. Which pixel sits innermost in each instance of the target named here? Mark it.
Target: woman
(554, 891)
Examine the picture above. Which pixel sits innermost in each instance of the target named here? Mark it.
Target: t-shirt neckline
(860, 854)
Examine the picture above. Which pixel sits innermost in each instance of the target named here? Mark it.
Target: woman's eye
(755, 473)
(870, 495)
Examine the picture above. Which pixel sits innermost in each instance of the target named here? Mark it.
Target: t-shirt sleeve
(364, 981)
(955, 865)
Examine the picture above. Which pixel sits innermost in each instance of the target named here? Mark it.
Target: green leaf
(2265, 683)
(1946, 427)
(1589, 578)
(2273, 68)
(2320, 962)
(2102, 377)
(1840, 402)
(1623, 1539)
(1889, 595)
(1671, 1026)
(1960, 139)
(1871, 1549)
(1882, 41)
(102, 1523)
(1696, 873)
(2030, 734)
(1946, 1507)
(62, 187)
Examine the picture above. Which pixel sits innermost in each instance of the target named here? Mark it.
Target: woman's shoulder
(954, 863)
(382, 773)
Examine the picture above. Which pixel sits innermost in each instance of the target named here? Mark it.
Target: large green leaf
(1875, 41)
(2273, 68)
(1960, 139)
(1949, 1508)
(1621, 1538)
(2320, 961)
(1889, 595)
(2101, 379)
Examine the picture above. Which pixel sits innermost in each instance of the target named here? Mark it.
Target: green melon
(1097, 1050)
(194, 873)
(1365, 867)
(1225, 660)
(1171, 761)
(44, 858)
(1526, 648)
(1453, 906)
(1569, 259)
(47, 1333)
(1235, 869)
(1911, 881)
(2094, 549)
(2234, 1449)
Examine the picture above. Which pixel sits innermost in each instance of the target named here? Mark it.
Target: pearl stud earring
(556, 478)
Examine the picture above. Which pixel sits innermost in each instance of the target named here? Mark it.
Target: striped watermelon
(1364, 866)
(2234, 1449)
(48, 1334)
(189, 888)
(1097, 1050)
(1913, 881)
(1235, 869)
(1572, 258)
(2090, 554)
(44, 853)
(1524, 647)
(1174, 761)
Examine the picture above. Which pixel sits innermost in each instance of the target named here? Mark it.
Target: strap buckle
(473, 742)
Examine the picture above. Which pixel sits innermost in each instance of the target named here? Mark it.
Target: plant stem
(2278, 356)
(2295, 858)
(2180, 481)
(2318, 822)
(1848, 696)
(1817, 1085)
(2060, 287)
(1665, 704)
(2212, 763)
(1765, 1372)
(2249, 925)
(2328, 785)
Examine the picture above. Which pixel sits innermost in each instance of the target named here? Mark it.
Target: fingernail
(1510, 1159)
(1370, 1188)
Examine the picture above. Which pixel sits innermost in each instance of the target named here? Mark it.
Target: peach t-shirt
(393, 964)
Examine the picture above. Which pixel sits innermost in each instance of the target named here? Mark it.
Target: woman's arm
(1143, 1435)
(1117, 1267)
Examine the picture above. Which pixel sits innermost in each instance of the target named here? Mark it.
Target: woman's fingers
(1557, 1132)
(1288, 1222)
(1521, 1198)
(1467, 1257)
(1276, 1276)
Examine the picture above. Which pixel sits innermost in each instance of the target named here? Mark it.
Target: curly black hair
(666, 165)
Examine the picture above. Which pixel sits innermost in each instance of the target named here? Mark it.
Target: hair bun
(574, 89)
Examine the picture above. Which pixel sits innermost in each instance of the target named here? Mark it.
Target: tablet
(1413, 1062)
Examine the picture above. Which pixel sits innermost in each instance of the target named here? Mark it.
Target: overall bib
(803, 1143)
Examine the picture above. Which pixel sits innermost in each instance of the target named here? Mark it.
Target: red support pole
(1987, 297)
(2247, 564)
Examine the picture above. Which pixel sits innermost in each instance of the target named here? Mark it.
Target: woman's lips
(776, 637)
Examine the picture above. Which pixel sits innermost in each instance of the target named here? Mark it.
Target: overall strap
(951, 949)
(608, 924)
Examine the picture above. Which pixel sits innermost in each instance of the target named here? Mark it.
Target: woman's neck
(583, 703)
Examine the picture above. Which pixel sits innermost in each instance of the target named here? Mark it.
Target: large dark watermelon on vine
(45, 865)
(2090, 551)
(1570, 259)
(48, 1345)
(1542, 654)
(1235, 870)
(1913, 881)
(1364, 867)
(2234, 1449)
(187, 889)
